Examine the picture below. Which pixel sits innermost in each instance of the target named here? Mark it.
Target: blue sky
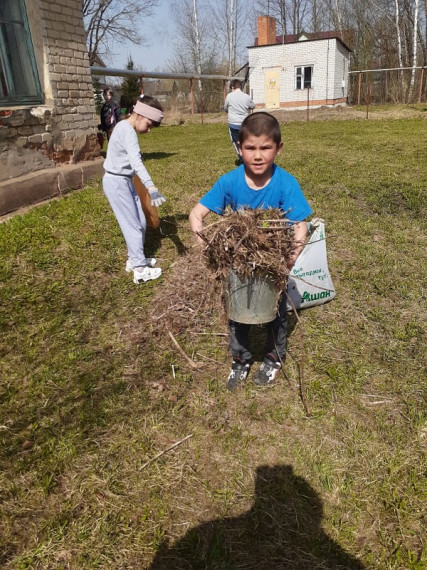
(159, 33)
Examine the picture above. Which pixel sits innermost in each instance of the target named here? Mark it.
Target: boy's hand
(291, 262)
(300, 235)
(197, 215)
(157, 198)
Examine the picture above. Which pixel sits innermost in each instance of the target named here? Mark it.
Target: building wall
(325, 56)
(342, 67)
(63, 129)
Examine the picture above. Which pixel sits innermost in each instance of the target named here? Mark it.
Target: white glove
(157, 199)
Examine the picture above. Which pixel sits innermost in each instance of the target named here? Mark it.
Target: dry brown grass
(250, 242)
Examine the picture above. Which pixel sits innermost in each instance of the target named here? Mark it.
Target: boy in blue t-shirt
(258, 183)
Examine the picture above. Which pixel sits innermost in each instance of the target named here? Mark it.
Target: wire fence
(387, 86)
(191, 94)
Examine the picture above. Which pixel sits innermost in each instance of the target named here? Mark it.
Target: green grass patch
(91, 390)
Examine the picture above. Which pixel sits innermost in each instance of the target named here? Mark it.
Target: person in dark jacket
(110, 112)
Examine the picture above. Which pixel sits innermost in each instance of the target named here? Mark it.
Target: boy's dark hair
(260, 123)
(235, 84)
(152, 102)
(108, 90)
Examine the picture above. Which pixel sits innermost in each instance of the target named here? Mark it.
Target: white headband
(149, 112)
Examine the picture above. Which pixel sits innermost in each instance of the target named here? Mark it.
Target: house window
(303, 77)
(19, 82)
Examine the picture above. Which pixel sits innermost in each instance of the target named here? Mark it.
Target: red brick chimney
(266, 30)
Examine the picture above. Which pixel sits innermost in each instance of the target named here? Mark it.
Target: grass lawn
(92, 386)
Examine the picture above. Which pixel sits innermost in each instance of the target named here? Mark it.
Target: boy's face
(258, 153)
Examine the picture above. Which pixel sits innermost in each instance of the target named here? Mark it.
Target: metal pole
(308, 102)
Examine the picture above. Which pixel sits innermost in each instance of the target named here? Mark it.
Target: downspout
(327, 73)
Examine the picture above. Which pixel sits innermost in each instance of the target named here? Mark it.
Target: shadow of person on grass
(158, 155)
(281, 531)
(169, 229)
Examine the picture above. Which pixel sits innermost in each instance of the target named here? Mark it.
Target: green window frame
(19, 80)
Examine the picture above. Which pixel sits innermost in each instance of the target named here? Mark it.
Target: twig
(312, 284)
(165, 451)
(302, 390)
(238, 244)
(193, 364)
(220, 221)
(207, 358)
(208, 333)
(301, 374)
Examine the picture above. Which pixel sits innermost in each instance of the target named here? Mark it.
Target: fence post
(141, 85)
(192, 96)
(359, 89)
(201, 101)
(368, 95)
(420, 92)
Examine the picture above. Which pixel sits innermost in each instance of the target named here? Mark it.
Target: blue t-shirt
(283, 192)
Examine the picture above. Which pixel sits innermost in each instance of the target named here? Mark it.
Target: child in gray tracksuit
(123, 161)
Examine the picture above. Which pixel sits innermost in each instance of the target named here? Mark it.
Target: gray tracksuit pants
(126, 206)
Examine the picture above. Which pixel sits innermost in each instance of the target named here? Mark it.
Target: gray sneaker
(238, 374)
(267, 371)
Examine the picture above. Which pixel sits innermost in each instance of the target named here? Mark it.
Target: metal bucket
(250, 300)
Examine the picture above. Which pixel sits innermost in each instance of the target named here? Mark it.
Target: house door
(271, 87)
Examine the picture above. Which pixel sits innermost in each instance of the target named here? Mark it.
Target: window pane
(307, 77)
(4, 89)
(16, 64)
(18, 76)
(10, 10)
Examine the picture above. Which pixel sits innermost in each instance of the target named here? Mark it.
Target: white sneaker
(151, 262)
(146, 273)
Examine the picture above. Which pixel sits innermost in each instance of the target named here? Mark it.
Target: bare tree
(232, 36)
(230, 30)
(193, 53)
(111, 21)
(414, 46)
(293, 16)
(190, 44)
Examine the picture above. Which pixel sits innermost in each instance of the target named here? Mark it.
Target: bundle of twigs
(251, 242)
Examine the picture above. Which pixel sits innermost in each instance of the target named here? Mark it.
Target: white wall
(330, 64)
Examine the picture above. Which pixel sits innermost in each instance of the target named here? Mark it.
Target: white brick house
(287, 74)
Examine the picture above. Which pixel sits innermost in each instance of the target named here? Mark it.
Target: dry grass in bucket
(251, 242)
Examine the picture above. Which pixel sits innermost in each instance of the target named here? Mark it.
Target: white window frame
(301, 82)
